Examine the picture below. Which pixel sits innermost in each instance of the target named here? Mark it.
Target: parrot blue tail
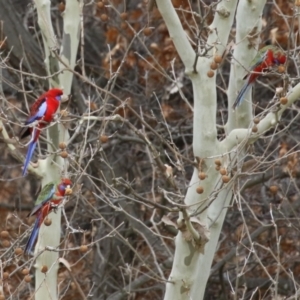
(33, 237)
(246, 87)
(30, 151)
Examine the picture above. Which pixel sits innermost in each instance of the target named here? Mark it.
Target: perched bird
(48, 199)
(42, 111)
(266, 57)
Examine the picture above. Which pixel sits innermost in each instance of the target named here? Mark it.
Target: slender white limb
(49, 40)
(53, 166)
(236, 136)
(177, 34)
(248, 18)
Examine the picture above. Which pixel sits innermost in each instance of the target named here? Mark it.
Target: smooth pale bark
(53, 167)
(247, 43)
(184, 277)
(191, 268)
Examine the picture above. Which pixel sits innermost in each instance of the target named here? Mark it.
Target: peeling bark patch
(188, 259)
(66, 51)
(185, 288)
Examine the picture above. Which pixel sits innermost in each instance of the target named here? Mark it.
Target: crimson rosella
(49, 198)
(267, 57)
(42, 111)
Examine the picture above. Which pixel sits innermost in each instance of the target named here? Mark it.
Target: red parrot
(43, 111)
(48, 199)
(266, 57)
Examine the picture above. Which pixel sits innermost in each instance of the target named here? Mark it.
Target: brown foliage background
(121, 190)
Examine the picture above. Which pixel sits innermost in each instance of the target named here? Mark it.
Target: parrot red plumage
(43, 111)
(48, 199)
(266, 58)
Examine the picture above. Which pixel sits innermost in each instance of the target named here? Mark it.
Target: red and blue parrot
(42, 111)
(48, 199)
(267, 57)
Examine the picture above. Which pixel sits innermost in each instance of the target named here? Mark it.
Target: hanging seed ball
(201, 175)
(225, 178)
(254, 129)
(124, 25)
(256, 120)
(27, 278)
(18, 251)
(218, 59)
(5, 243)
(210, 73)
(103, 138)
(214, 65)
(5, 275)
(217, 168)
(104, 17)
(47, 222)
(62, 145)
(61, 6)
(4, 234)
(274, 189)
(64, 154)
(64, 113)
(223, 171)
(283, 100)
(44, 269)
(100, 4)
(25, 271)
(147, 31)
(199, 190)
(2, 297)
(68, 191)
(281, 69)
(218, 162)
(297, 3)
(124, 15)
(83, 248)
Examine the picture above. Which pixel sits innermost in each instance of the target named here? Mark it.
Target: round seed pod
(254, 129)
(218, 59)
(103, 138)
(44, 269)
(64, 154)
(19, 251)
(281, 69)
(47, 222)
(210, 73)
(273, 189)
(124, 15)
(223, 171)
(27, 278)
(62, 145)
(202, 175)
(147, 31)
(5, 243)
(4, 234)
(25, 271)
(256, 120)
(104, 17)
(218, 162)
(283, 100)
(225, 178)
(83, 248)
(213, 65)
(199, 190)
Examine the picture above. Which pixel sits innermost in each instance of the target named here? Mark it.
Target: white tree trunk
(191, 268)
(53, 167)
